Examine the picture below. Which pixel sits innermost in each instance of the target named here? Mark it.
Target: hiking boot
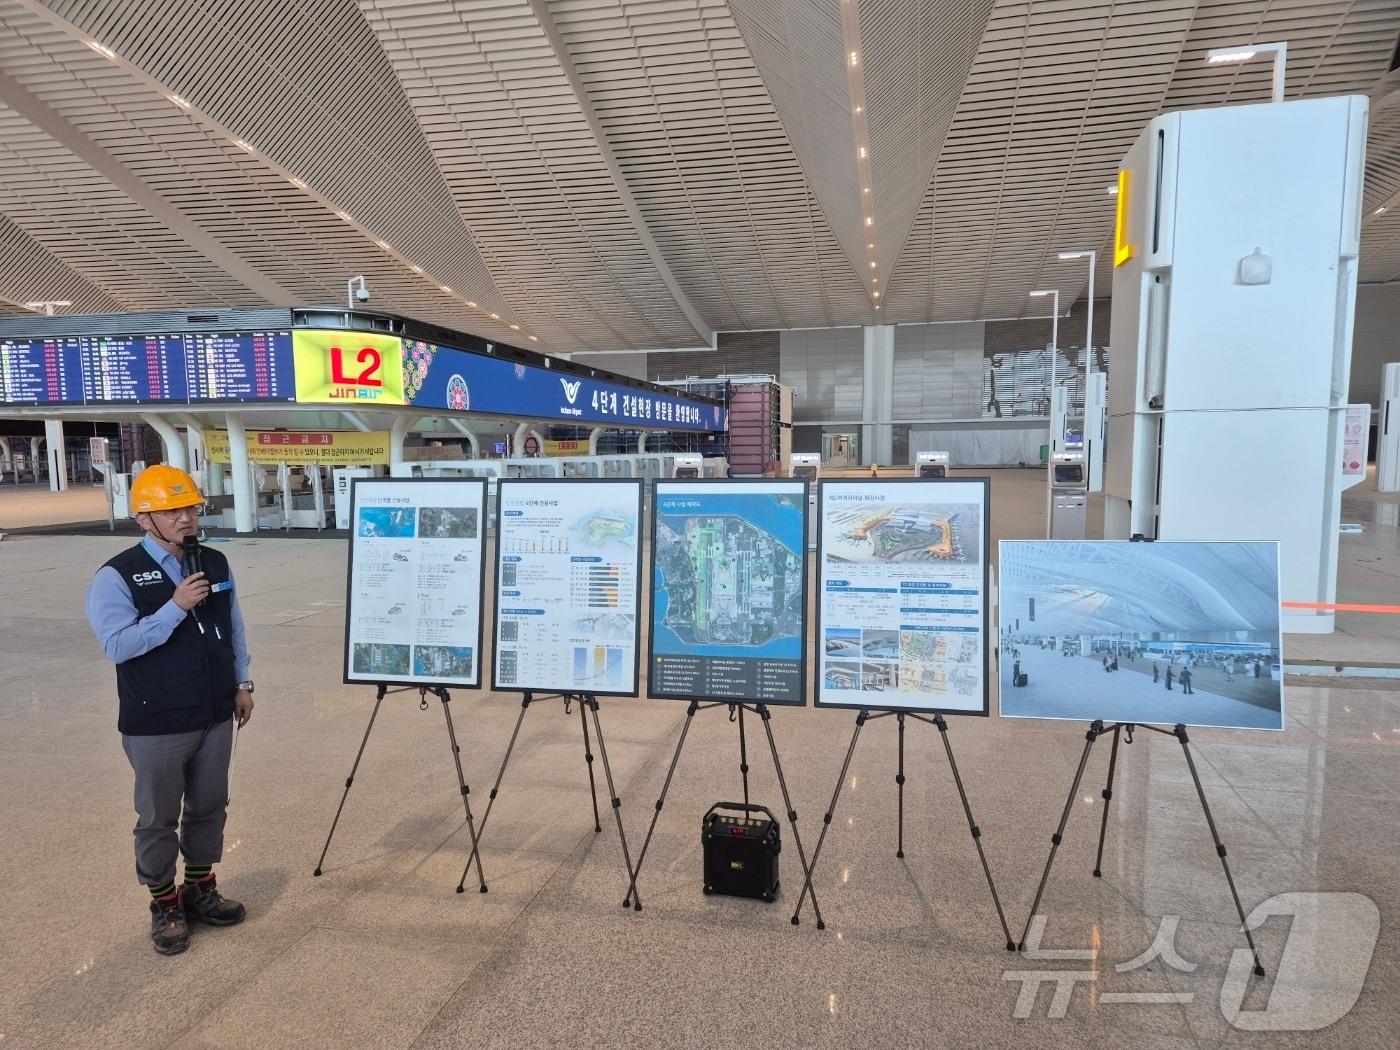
(204, 903)
(170, 934)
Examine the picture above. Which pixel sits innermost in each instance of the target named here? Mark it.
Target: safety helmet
(163, 487)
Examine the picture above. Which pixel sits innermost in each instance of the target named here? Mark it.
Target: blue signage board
(444, 377)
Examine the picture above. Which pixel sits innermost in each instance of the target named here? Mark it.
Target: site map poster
(729, 584)
(568, 565)
(413, 604)
(902, 608)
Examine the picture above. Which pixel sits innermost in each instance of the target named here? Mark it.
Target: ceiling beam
(540, 8)
(57, 127)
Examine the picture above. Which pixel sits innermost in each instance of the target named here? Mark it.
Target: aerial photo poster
(902, 609)
(728, 613)
(413, 605)
(567, 570)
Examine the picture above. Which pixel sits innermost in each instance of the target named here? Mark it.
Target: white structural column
(523, 431)
(244, 507)
(593, 436)
(402, 425)
(877, 394)
(473, 445)
(58, 465)
(169, 439)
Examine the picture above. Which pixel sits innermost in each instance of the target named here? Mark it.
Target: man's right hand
(193, 589)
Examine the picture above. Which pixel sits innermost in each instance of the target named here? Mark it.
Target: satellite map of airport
(904, 533)
(729, 582)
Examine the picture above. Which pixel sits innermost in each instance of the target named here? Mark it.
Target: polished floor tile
(380, 951)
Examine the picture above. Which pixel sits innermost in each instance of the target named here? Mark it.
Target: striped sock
(196, 872)
(165, 889)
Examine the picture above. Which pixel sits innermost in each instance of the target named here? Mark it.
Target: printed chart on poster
(413, 606)
(1166, 632)
(902, 609)
(729, 591)
(568, 564)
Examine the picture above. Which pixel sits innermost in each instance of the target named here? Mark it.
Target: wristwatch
(246, 687)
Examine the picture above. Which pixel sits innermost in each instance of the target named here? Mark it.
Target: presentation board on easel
(415, 581)
(902, 610)
(567, 574)
(729, 591)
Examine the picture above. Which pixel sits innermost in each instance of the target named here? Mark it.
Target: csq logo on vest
(143, 578)
(333, 366)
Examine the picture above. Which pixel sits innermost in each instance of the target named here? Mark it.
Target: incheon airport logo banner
(351, 368)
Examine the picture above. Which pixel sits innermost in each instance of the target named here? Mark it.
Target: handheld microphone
(194, 560)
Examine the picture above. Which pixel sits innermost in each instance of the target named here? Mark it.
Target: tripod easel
(1097, 729)
(735, 707)
(587, 702)
(941, 725)
(423, 691)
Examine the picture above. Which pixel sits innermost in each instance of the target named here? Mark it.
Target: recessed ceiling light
(877, 295)
(297, 183)
(384, 246)
(858, 109)
(515, 328)
(344, 216)
(1380, 211)
(862, 153)
(869, 221)
(415, 268)
(102, 49)
(471, 304)
(1216, 58)
(178, 101)
(872, 265)
(445, 289)
(495, 317)
(1112, 190)
(865, 189)
(855, 58)
(243, 145)
(534, 339)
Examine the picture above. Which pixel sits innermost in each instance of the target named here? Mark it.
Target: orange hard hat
(163, 487)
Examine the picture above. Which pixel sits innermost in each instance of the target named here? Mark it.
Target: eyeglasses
(179, 512)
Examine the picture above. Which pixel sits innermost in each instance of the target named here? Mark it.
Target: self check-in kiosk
(808, 465)
(1068, 496)
(805, 465)
(688, 466)
(931, 465)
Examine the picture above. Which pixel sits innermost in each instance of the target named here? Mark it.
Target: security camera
(361, 293)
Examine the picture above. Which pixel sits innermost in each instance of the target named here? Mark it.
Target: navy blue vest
(187, 683)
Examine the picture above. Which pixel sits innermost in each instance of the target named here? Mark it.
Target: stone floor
(381, 952)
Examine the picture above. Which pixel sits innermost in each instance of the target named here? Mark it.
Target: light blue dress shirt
(125, 636)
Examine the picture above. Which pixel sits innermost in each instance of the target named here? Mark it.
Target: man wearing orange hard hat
(177, 639)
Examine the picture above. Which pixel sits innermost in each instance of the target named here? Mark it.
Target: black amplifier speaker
(741, 851)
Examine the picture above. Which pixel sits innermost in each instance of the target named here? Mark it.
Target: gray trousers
(171, 770)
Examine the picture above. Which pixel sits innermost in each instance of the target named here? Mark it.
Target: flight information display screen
(188, 368)
(40, 372)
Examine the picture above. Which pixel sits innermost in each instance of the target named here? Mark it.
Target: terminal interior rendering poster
(1164, 633)
(903, 612)
(413, 610)
(567, 571)
(728, 613)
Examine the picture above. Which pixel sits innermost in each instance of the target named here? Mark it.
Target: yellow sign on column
(353, 369)
(304, 446)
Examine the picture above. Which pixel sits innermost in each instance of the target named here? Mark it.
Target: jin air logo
(571, 389)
